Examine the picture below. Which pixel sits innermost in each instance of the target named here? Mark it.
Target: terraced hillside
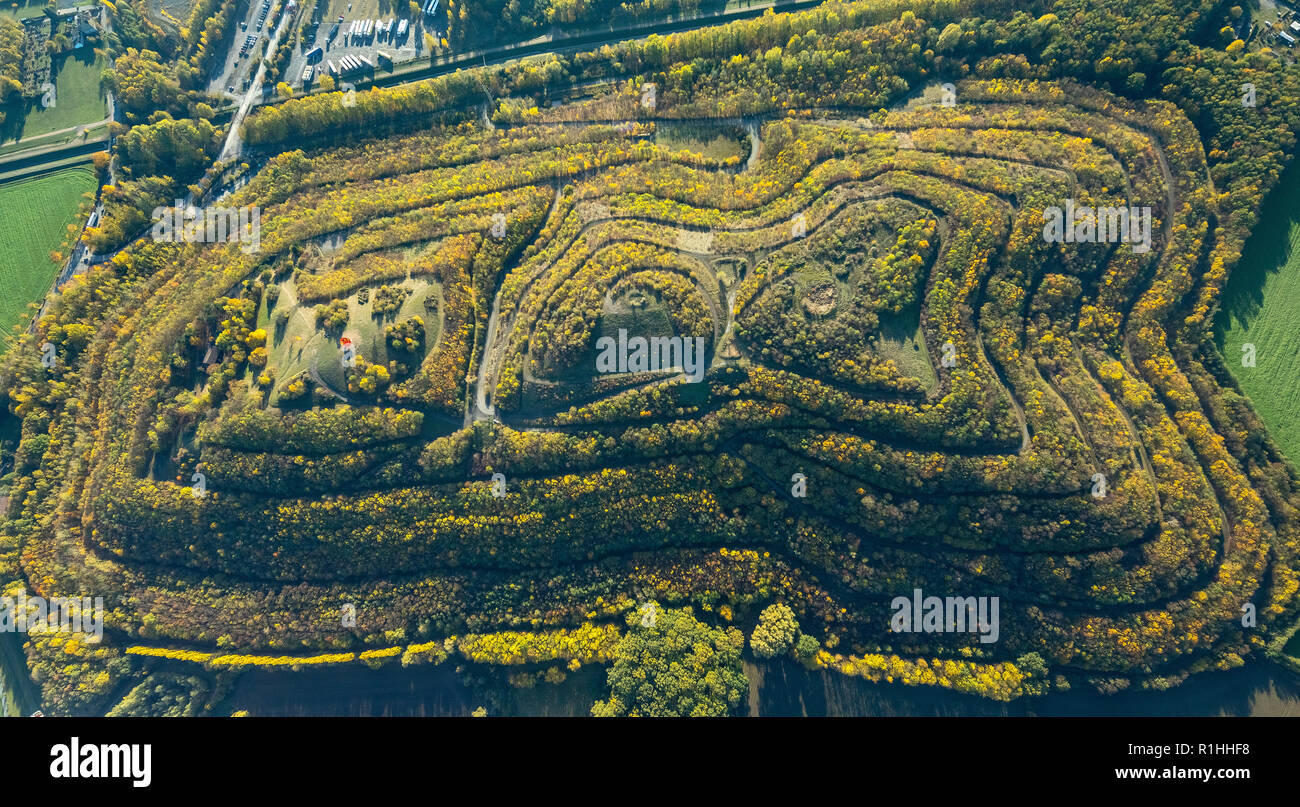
(905, 386)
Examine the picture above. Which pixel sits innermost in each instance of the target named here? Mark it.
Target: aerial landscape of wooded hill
(909, 343)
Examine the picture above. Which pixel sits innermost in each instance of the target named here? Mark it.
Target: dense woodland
(11, 62)
(881, 313)
(473, 25)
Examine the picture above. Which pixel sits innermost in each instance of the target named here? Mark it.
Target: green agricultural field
(78, 99)
(1259, 308)
(34, 215)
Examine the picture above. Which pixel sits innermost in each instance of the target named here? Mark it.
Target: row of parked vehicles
(349, 64)
(251, 40)
(362, 31)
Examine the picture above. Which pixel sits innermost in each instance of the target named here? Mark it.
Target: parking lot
(245, 50)
(250, 40)
(355, 47)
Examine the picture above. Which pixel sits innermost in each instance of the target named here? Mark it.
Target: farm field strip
(34, 215)
(1260, 311)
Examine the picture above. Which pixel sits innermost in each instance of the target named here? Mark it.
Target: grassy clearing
(78, 99)
(22, 9)
(709, 140)
(902, 341)
(34, 215)
(54, 139)
(179, 10)
(362, 10)
(1259, 308)
(300, 343)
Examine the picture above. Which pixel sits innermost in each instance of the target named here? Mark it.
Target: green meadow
(78, 99)
(1261, 307)
(21, 9)
(34, 215)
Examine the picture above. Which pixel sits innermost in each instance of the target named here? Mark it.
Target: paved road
(233, 66)
(64, 130)
(234, 144)
(320, 382)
